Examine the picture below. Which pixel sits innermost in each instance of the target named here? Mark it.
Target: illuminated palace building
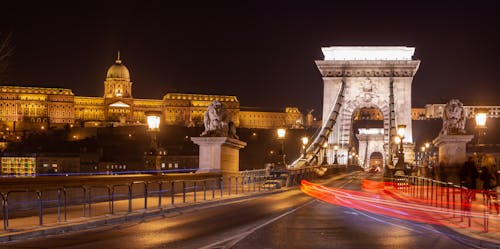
(31, 108)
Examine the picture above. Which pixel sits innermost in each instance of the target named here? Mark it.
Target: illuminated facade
(31, 108)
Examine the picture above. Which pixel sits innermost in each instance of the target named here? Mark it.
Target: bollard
(229, 186)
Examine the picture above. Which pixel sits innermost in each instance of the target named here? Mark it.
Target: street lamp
(281, 135)
(399, 140)
(335, 148)
(153, 120)
(481, 117)
(305, 141)
(325, 145)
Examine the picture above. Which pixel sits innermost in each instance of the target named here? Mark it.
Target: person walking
(490, 183)
(468, 176)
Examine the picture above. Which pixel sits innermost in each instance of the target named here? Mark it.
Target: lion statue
(217, 123)
(453, 118)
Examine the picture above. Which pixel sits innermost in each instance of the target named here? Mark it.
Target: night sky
(262, 52)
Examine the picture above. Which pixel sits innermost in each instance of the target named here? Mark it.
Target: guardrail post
(183, 192)
(448, 195)
(145, 195)
(160, 189)
(40, 201)
(58, 205)
(221, 185)
(204, 189)
(194, 190)
(5, 209)
(213, 188)
(172, 193)
(84, 200)
(90, 201)
(254, 178)
(65, 206)
(236, 185)
(130, 197)
(112, 199)
(110, 203)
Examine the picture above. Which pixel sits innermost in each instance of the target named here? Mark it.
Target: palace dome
(118, 70)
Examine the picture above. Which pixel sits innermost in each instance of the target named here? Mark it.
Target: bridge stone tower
(373, 77)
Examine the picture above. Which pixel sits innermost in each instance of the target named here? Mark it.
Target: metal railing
(56, 204)
(448, 197)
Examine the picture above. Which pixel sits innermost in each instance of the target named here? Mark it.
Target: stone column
(219, 154)
(452, 148)
(452, 155)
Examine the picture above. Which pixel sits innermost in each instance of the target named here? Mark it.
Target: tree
(6, 51)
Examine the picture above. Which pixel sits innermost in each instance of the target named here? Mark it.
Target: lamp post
(305, 141)
(335, 148)
(281, 136)
(325, 145)
(480, 118)
(399, 140)
(152, 157)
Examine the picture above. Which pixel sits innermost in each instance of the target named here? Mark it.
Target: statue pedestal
(452, 148)
(219, 154)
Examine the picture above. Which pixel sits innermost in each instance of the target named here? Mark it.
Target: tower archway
(371, 77)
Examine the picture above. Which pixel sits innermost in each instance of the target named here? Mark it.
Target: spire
(118, 61)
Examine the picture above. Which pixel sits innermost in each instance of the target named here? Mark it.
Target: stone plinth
(219, 154)
(452, 148)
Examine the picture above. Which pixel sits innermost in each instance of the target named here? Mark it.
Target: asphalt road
(285, 220)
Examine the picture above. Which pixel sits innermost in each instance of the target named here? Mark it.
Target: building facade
(32, 108)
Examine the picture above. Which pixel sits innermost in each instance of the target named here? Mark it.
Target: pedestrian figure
(489, 177)
(468, 176)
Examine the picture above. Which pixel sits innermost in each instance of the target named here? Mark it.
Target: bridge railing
(449, 198)
(39, 203)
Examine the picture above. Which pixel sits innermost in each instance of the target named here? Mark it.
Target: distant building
(436, 111)
(31, 164)
(36, 108)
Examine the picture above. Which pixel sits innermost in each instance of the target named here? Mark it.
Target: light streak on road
(377, 199)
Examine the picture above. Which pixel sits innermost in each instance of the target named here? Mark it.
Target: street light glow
(401, 131)
(480, 119)
(281, 133)
(305, 140)
(153, 122)
(335, 147)
(397, 139)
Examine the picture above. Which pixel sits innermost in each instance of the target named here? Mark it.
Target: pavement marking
(238, 237)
